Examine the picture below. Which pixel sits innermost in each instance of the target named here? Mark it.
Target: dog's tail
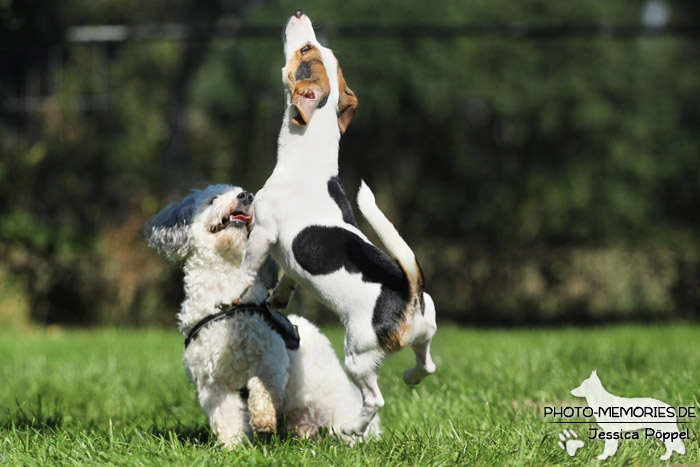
(395, 245)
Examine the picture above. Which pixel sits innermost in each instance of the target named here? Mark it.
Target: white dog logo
(617, 415)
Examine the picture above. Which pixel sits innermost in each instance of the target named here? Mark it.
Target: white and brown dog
(207, 232)
(304, 219)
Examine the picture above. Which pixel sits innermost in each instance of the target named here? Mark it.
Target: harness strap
(277, 321)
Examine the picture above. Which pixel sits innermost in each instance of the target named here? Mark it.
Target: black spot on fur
(335, 189)
(323, 250)
(388, 315)
(303, 71)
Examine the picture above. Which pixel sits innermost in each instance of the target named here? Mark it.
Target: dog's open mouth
(235, 219)
(305, 100)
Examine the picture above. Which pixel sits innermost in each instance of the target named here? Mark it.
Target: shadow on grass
(200, 434)
(184, 434)
(37, 416)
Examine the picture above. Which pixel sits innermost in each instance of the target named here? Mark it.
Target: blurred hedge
(566, 285)
(538, 180)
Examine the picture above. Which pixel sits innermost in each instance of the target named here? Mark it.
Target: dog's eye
(305, 49)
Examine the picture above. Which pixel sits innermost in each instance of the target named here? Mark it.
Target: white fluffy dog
(207, 232)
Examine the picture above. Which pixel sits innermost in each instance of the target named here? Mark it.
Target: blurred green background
(541, 157)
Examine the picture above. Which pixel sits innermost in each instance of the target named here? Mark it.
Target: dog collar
(277, 321)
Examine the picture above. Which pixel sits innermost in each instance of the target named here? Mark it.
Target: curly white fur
(307, 386)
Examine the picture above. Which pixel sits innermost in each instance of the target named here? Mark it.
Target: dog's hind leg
(266, 389)
(424, 328)
(609, 450)
(363, 369)
(282, 294)
(424, 364)
(675, 445)
(679, 446)
(261, 406)
(668, 453)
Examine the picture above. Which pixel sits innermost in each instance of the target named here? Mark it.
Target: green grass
(121, 397)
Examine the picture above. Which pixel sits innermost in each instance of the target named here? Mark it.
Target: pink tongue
(241, 217)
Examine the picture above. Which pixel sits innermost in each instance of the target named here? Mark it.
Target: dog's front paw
(351, 432)
(230, 442)
(233, 297)
(359, 428)
(415, 375)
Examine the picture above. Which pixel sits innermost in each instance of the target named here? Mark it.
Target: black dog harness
(277, 321)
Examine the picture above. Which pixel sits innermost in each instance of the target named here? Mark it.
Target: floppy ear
(347, 103)
(305, 98)
(168, 231)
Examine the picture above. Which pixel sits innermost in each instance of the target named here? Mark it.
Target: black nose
(245, 197)
(299, 13)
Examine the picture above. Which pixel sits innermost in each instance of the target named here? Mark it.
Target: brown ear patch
(347, 103)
